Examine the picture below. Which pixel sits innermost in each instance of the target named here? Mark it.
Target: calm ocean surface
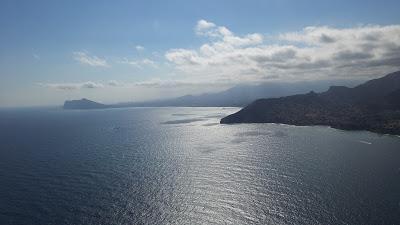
(179, 166)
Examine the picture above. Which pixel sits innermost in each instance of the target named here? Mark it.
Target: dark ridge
(373, 106)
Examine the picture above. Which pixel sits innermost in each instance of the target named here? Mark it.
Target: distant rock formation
(83, 104)
(373, 106)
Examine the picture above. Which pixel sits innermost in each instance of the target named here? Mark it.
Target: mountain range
(238, 96)
(373, 105)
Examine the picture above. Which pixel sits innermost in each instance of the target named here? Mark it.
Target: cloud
(91, 60)
(139, 63)
(202, 26)
(114, 83)
(312, 53)
(36, 56)
(150, 83)
(209, 29)
(72, 86)
(91, 85)
(175, 83)
(226, 58)
(139, 48)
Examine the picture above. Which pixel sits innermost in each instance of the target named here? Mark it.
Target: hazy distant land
(238, 96)
(373, 105)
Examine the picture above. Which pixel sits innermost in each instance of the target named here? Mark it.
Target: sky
(119, 51)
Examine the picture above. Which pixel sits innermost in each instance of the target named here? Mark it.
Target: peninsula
(372, 106)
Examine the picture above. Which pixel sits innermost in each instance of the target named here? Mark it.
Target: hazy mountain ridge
(373, 105)
(238, 96)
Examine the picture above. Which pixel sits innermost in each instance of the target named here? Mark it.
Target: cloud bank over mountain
(227, 59)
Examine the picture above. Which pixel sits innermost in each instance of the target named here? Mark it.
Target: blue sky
(115, 51)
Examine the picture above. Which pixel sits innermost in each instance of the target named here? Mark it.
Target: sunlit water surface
(180, 166)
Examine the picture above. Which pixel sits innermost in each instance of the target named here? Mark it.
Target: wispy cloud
(72, 86)
(114, 83)
(312, 53)
(36, 56)
(175, 83)
(140, 63)
(91, 60)
(139, 48)
(151, 83)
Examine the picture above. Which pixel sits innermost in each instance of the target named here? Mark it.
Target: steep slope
(373, 106)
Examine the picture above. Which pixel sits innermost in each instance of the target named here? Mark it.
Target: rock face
(83, 104)
(373, 106)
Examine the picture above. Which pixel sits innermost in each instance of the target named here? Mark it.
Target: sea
(180, 166)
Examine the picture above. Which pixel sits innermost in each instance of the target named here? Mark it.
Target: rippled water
(179, 166)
